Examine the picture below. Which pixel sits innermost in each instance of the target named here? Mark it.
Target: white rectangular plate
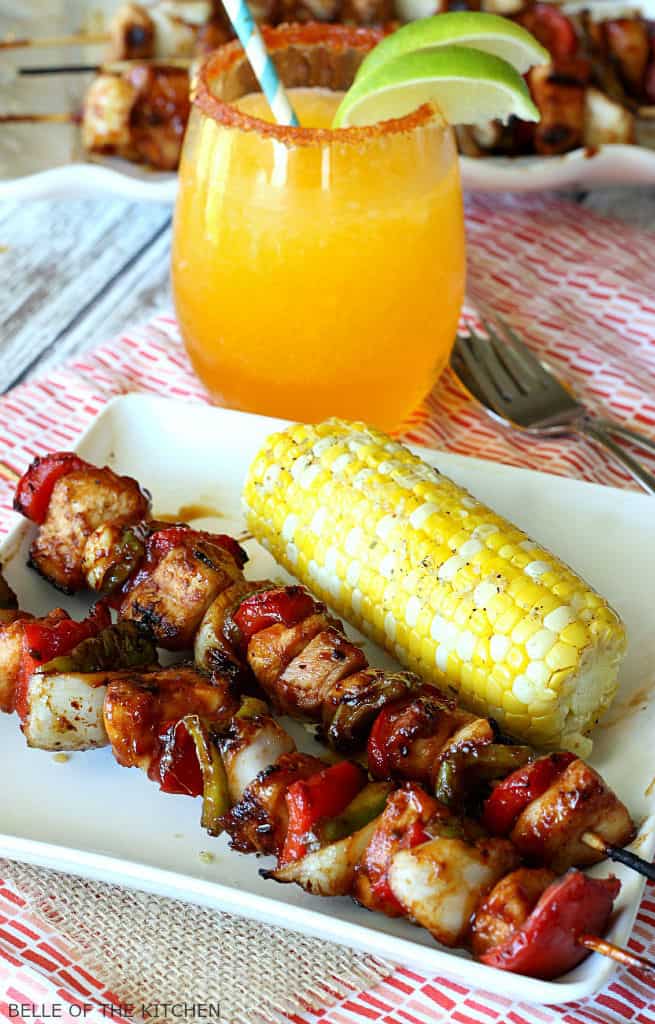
(90, 817)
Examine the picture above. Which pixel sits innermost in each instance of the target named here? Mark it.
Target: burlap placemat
(161, 953)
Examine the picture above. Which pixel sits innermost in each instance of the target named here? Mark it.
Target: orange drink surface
(316, 272)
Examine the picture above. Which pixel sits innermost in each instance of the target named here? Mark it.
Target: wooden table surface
(74, 273)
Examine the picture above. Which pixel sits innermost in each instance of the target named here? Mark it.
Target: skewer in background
(51, 42)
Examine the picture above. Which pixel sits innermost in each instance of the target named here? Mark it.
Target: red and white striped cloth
(579, 288)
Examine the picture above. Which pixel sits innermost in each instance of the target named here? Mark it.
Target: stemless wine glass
(315, 272)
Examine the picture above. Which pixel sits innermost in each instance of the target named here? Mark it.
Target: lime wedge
(468, 87)
(487, 32)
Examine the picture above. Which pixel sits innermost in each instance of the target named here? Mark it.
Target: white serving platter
(609, 165)
(90, 817)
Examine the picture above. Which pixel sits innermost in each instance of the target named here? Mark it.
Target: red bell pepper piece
(287, 605)
(414, 836)
(35, 487)
(162, 541)
(176, 767)
(379, 748)
(546, 945)
(45, 639)
(553, 30)
(310, 801)
(511, 796)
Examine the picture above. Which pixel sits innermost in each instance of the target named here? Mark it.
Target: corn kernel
(561, 656)
(575, 634)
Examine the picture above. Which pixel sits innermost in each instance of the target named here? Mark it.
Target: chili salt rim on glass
(340, 38)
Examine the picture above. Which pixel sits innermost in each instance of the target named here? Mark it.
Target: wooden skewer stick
(76, 39)
(622, 956)
(619, 855)
(244, 535)
(116, 67)
(39, 118)
(57, 69)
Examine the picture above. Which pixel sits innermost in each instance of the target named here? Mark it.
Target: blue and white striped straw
(265, 71)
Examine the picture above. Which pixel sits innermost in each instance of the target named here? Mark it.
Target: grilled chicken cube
(80, 502)
(308, 679)
(272, 649)
(139, 114)
(63, 710)
(550, 828)
(558, 90)
(442, 882)
(106, 117)
(259, 822)
(159, 116)
(172, 599)
(329, 871)
(139, 707)
(11, 648)
(250, 746)
(606, 121)
(507, 907)
(159, 30)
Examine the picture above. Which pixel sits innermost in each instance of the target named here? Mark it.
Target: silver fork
(517, 389)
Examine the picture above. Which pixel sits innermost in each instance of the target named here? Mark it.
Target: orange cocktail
(315, 272)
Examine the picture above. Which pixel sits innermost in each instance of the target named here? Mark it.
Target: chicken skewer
(162, 29)
(309, 669)
(80, 685)
(417, 860)
(168, 721)
(177, 584)
(146, 604)
(135, 110)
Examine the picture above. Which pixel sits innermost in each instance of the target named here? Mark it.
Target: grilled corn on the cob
(449, 587)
